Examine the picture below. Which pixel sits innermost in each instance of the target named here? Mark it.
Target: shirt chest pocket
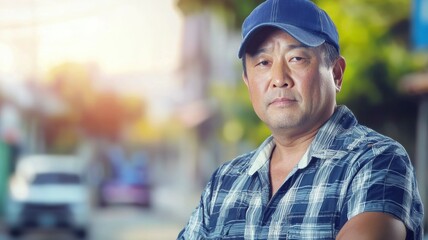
(308, 227)
(231, 226)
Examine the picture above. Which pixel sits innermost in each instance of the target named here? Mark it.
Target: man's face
(291, 87)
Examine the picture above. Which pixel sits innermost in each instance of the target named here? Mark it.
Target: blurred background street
(115, 113)
(162, 221)
(119, 224)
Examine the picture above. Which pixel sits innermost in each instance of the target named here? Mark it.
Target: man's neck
(285, 156)
(292, 149)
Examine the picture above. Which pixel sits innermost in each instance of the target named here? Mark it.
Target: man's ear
(338, 71)
(245, 78)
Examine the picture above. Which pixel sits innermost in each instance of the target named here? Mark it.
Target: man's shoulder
(350, 134)
(365, 145)
(361, 136)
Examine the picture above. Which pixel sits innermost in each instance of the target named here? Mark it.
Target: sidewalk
(176, 202)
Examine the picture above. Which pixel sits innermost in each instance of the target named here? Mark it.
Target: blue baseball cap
(302, 19)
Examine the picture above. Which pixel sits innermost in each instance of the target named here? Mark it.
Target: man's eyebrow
(294, 46)
(258, 51)
(289, 47)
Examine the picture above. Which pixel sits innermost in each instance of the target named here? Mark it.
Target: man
(320, 175)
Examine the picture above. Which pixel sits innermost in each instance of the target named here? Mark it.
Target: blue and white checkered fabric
(348, 169)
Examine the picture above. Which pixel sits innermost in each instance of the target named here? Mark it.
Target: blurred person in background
(320, 175)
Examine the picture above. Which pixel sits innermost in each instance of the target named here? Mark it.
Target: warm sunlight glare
(118, 36)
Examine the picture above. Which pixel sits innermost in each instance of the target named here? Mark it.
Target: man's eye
(262, 63)
(296, 59)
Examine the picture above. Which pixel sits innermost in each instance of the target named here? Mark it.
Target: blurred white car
(47, 192)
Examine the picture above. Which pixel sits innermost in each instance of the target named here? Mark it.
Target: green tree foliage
(236, 108)
(374, 39)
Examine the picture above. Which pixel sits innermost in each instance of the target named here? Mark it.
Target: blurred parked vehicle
(116, 192)
(48, 192)
(129, 179)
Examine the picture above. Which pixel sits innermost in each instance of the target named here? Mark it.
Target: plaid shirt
(347, 170)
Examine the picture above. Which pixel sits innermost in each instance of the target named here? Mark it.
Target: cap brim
(305, 37)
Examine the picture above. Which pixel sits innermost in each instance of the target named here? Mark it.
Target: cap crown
(302, 19)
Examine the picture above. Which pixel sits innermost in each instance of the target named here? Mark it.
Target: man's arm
(373, 226)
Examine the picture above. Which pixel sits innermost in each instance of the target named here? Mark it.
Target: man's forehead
(266, 38)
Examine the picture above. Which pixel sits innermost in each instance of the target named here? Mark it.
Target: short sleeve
(384, 181)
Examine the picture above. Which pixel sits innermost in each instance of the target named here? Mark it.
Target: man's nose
(280, 76)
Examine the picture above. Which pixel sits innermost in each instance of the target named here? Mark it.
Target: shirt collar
(262, 156)
(341, 120)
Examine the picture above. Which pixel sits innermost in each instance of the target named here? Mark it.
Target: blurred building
(209, 56)
(417, 84)
(24, 106)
